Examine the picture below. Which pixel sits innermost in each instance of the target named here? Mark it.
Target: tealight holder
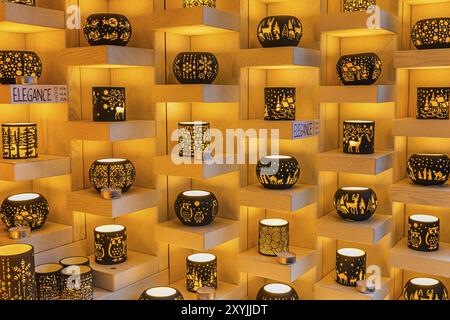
(19, 233)
(110, 244)
(74, 261)
(425, 289)
(107, 29)
(112, 173)
(278, 171)
(431, 33)
(25, 209)
(20, 140)
(359, 137)
(279, 103)
(201, 271)
(359, 69)
(277, 291)
(355, 203)
(77, 283)
(433, 103)
(206, 293)
(198, 3)
(423, 232)
(350, 266)
(194, 139)
(161, 293)
(48, 281)
(358, 5)
(109, 104)
(196, 208)
(279, 31)
(428, 169)
(273, 237)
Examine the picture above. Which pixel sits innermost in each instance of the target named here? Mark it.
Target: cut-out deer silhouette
(120, 113)
(342, 277)
(267, 31)
(354, 144)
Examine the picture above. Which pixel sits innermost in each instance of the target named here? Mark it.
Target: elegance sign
(26, 94)
(305, 129)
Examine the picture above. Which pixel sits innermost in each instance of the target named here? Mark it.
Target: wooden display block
(278, 58)
(253, 263)
(50, 235)
(329, 289)
(29, 169)
(422, 59)
(204, 93)
(367, 232)
(90, 201)
(293, 199)
(77, 248)
(225, 291)
(107, 57)
(416, 2)
(337, 161)
(435, 263)
(407, 192)
(356, 94)
(195, 21)
(164, 165)
(287, 130)
(111, 131)
(115, 277)
(411, 127)
(18, 18)
(203, 238)
(354, 24)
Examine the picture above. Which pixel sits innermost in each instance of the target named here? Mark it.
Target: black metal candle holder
(48, 281)
(273, 237)
(74, 261)
(26, 2)
(359, 69)
(423, 232)
(201, 271)
(107, 29)
(195, 67)
(350, 266)
(278, 171)
(196, 208)
(194, 139)
(25, 209)
(425, 289)
(358, 5)
(198, 3)
(20, 140)
(161, 293)
(431, 33)
(277, 291)
(109, 104)
(428, 169)
(433, 103)
(110, 243)
(112, 173)
(18, 64)
(279, 31)
(355, 203)
(279, 103)
(77, 283)
(359, 137)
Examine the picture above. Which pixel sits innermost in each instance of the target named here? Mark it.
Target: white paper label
(26, 94)
(305, 129)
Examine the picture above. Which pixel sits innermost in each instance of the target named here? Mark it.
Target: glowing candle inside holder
(48, 281)
(359, 137)
(350, 266)
(74, 261)
(273, 237)
(196, 208)
(197, 3)
(194, 139)
(358, 5)
(277, 291)
(112, 173)
(109, 104)
(201, 271)
(279, 103)
(278, 172)
(428, 169)
(77, 283)
(161, 293)
(15, 64)
(25, 209)
(19, 140)
(355, 203)
(110, 244)
(423, 232)
(425, 289)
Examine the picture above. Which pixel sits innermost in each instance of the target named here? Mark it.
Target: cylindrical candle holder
(198, 3)
(359, 137)
(195, 67)
(17, 275)
(277, 291)
(107, 29)
(358, 5)
(423, 232)
(279, 103)
(201, 271)
(425, 289)
(18, 64)
(355, 203)
(110, 244)
(109, 104)
(273, 237)
(20, 140)
(196, 208)
(359, 69)
(161, 293)
(350, 266)
(25, 209)
(112, 173)
(194, 139)
(48, 281)
(278, 172)
(433, 103)
(428, 169)
(77, 283)
(74, 261)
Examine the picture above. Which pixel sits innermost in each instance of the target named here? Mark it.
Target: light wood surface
(406, 191)
(422, 59)
(411, 127)
(28, 169)
(77, 248)
(356, 94)
(196, 93)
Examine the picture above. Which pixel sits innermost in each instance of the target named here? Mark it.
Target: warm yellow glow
(196, 193)
(74, 270)
(48, 268)
(202, 257)
(74, 260)
(161, 292)
(24, 197)
(277, 288)
(112, 160)
(355, 189)
(359, 121)
(6, 26)
(274, 222)
(19, 124)
(431, 154)
(110, 228)
(424, 218)
(194, 30)
(424, 281)
(194, 123)
(277, 157)
(351, 252)
(14, 249)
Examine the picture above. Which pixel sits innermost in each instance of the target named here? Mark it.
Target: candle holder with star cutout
(196, 208)
(19, 64)
(428, 169)
(358, 5)
(350, 266)
(109, 104)
(423, 232)
(278, 172)
(431, 33)
(110, 243)
(279, 104)
(201, 271)
(48, 281)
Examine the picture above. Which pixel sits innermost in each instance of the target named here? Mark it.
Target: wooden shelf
(195, 21)
(51, 235)
(30, 94)
(203, 238)
(164, 165)
(111, 131)
(354, 24)
(107, 57)
(253, 263)
(366, 232)
(407, 192)
(225, 291)
(90, 201)
(356, 94)
(29, 169)
(77, 248)
(416, 2)
(288, 130)
(435, 263)
(411, 127)
(337, 161)
(18, 18)
(209, 93)
(422, 59)
(329, 289)
(294, 199)
(278, 58)
(115, 277)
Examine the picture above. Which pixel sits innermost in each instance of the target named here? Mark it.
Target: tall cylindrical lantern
(161, 293)
(110, 244)
(428, 169)
(74, 261)
(355, 203)
(196, 208)
(25, 209)
(15, 64)
(359, 137)
(279, 103)
(109, 104)
(48, 281)
(350, 266)
(425, 289)
(197, 3)
(112, 173)
(194, 138)
(277, 291)
(201, 271)
(273, 237)
(423, 232)
(77, 283)
(17, 275)
(278, 171)
(20, 140)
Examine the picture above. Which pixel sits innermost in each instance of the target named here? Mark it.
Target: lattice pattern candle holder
(431, 33)
(19, 64)
(201, 271)
(161, 293)
(278, 171)
(358, 5)
(107, 29)
(350, 266)
(359, 69)
(25, 209)
(359, 137)
(355, 203)
(198, 3)
(20, 140)
(433, 103)
(273, 237)
(425, 289)
(112, 173)
(17, 277)
(110, 244)
(27, 2)
(77, 283)
(48, 281)
(194, 139)
(277, 291)
(109, 104)
(195, 67)
(428, 169)
(279, 103)
(423, 232)
(279, 31)
(196, 208)
(74, 261)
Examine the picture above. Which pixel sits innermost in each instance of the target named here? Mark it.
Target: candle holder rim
(111, 160)
(277, 293)
(214, 258)
(413, 216)
(285, 222)
(62, 261)
(83, 270)
(359, 121)
(205, 193)
(37, 196)
(436, 281)
(58, 267)
(19, 124)
(363, 253)
(193, 123)
(173, 291)
(355, 188)
(122, 228)
(25, 248)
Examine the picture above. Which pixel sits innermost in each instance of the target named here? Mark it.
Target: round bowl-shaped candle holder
(431, 33)
(273, 237)
(201, 271)
(19, 64)
(428, 169)
(75, 261)
(278, 172)
(25, 209)
(108, 104)
(107, 29)
(26, 2)
(198, 3)
(359, 69)
(194, 139)
(425, 289)
(77, 283)
(359, 137)
(433, 103)
(277, 291)
(110, 243)
(113, 174)
(48, 281)
(161, 293)
(423, 232)
(355, 203)
(350, 266)
(20, 141)
(279, 103)
(358, 5)
(195, 67)
(279, 31)
(196, 208)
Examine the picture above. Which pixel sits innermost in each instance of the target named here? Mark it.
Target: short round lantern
(20, 140)
(48, 281)
(273, 237)
(201, 271)
(74, 261)
(423, 232)
(279, 31)
(107, 29)
(110, 243)
(161, 293)
(355, 203)
(25, 209)
(19, 64)
(359, 137)
(77, 283)
(358, 5)
(26, 2)
(194, 139)
(112, 173)
(359, 69)
(279, 103)
(431, 33)
(196, 207)
(277, 291)
(195, 67)
(198, 3)
(425, 289)
(428, 169)
(108, 104)
(350, 266)
(433, 103)
(278, 171)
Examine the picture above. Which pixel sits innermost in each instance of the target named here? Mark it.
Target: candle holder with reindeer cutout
(107, 29)
(279, 31)
(428, 169)
(109, 104)
(350, 266)
(359, 137)
(425, 289)
(278, 172)
(355, 203)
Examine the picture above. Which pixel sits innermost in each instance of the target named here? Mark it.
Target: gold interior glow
(424, 218)
(351, 252)
(202, 257)
(277, 288)
(74, 260)
(68, 271)
(161, 292)
(355, 189)
(195, 123)
(110, 228)
(274, 222)
(24, 197)
(19, 124)
(48, 268)
(112, 160)
(196, 193)
(275, 157)
(424, 281)
(359, 121)
(14, 249)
